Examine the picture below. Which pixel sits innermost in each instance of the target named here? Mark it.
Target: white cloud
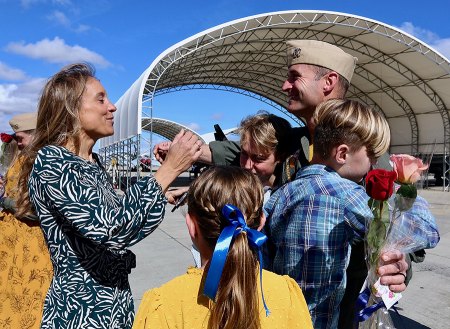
(11, 74)
(82, 28)
(429, 37)
(4, 123)
(194, 126)
(18, 98)
(418, 32)
(443, 46)
(59, 18)
(57, 51)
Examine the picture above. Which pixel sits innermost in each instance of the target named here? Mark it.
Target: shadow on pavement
(402, 322)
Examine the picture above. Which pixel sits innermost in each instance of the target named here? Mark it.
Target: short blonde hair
(345, 121)
(269, 133)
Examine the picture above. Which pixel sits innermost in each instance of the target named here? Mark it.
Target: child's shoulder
(327, 181)
(192, 277)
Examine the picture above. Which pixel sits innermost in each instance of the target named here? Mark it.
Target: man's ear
(191, 223)
(331, 80)
(340, 153)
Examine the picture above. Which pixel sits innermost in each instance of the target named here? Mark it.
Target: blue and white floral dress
(88, 228)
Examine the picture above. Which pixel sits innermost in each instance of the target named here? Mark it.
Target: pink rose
(407, 167)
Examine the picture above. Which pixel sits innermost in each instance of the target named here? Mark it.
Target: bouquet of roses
(401, 221)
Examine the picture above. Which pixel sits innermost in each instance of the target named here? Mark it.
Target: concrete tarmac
(166, 254)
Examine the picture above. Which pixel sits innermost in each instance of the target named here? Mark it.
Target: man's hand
(160, 151)
(393, 270)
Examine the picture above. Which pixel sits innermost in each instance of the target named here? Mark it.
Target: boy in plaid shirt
(313, 220)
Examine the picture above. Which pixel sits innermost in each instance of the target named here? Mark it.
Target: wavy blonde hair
(236, 304)
(345, 121)
(57, 120)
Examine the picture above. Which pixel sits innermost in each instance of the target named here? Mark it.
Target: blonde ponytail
(237, 300)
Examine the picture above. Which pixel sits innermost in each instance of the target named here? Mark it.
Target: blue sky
(122, 38)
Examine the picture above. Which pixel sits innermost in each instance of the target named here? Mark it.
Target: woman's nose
(113, 108)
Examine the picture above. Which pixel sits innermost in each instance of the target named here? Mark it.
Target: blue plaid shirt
(311, 223)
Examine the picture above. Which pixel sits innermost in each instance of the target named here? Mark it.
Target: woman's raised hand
(183, 152)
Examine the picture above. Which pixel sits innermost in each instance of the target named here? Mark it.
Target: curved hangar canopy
(165, 128)
(396, 72)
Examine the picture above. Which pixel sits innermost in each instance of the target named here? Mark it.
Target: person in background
(26, 270)
(225, 207)
(88, 227)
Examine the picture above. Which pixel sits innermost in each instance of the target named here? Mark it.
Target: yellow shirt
(180, 304)
(25, 267)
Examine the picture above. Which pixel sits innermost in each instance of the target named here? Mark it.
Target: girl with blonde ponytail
(230, 290)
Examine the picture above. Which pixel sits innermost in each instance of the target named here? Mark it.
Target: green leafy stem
(378, 228)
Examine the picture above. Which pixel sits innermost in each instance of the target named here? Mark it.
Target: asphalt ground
(166, 254)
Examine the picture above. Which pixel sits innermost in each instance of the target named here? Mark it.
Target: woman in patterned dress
(88, 227)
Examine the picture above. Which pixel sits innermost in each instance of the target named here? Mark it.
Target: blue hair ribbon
(236, 225)
(364, 312)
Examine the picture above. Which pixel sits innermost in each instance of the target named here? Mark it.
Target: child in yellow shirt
(229, 290)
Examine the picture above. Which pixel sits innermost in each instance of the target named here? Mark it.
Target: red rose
(6, 138)
(380, 184)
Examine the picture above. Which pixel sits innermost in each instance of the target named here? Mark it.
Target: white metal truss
(398, 74)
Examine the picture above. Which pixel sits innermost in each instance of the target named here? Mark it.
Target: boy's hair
(268, 133)
(345, 121)
(236, 303)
